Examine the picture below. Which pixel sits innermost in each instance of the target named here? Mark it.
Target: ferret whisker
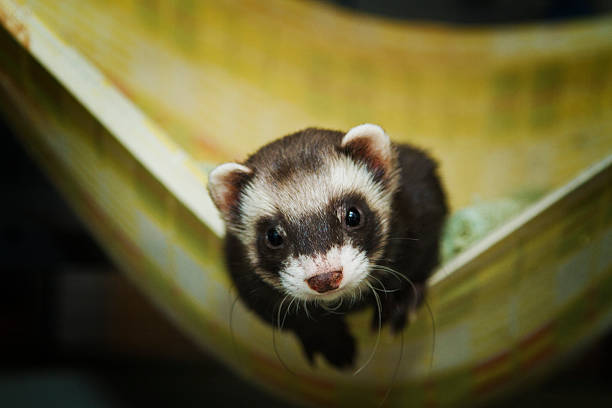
(359, 296)
(294, 302)
(278, 356)
(396, 370)
(231, 321)
(379, 307)
(280, 307)
(380, 268)
(404, 238)
(415, 291)
(306, 310)
(414, 306)
(382, 285)
(332, 309)
(384, 289)
(230, 288)
(433, 336)
(278, 327)
(286, 312)
(395, 273)
(297, 306)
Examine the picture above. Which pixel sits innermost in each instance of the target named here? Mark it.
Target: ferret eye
(274, 239)
(352, 217)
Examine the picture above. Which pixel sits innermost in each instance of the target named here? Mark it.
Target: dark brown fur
(418, 212)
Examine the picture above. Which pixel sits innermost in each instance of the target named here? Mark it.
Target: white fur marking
(365, 130)
(353, 263)
(218, 180)
(308, 193)
(379, 140)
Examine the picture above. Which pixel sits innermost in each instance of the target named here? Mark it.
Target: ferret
(331, 221)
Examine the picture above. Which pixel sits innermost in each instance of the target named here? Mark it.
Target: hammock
(126, 106)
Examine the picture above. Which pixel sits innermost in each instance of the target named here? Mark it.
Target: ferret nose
(324, 282)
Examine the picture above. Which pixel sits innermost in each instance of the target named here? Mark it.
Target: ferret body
(325, 219)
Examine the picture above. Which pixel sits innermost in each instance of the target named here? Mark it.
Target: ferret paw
(342, 354)
(333, 341)
(399, 308)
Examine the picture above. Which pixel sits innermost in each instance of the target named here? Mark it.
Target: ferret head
(312, 209)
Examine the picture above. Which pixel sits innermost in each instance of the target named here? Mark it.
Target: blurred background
(75, 332)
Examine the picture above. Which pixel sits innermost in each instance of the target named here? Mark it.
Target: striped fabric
(127, 104)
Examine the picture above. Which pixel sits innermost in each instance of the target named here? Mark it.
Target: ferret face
(312, 209)
(313, 235)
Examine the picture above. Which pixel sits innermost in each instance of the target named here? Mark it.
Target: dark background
(74, 332)
(480, 11)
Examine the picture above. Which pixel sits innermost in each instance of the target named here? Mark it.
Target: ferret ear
(370, 144)
(224, 184)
